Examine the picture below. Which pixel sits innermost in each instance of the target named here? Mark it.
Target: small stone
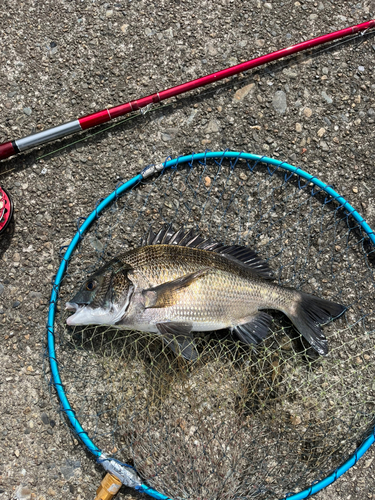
(53, 45)
(22, 493)
(243, 176)
(109, 13)
(2, 288)
(124, 28)
(279, 102)
(307, 112)
(165, 137)
(361, 68)
(326, 97)
(371, 112)
(243, 92)
(313, 17)
(286, 343)
(259, 42)
(355, 190)
(298, 127)
(16, 304)
(368, 463)
(45, 418)
(17, 453)
(207, 181)
(321, 132)
(268, 6)
(27, 111)
(290, 73)
(212, 126)
(296, 420)
(16, 257)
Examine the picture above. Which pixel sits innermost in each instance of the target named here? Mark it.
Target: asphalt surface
(64, 59)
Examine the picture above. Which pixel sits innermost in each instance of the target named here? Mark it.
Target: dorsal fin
(187, 238)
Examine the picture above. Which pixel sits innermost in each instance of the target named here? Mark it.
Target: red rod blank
(10, 148)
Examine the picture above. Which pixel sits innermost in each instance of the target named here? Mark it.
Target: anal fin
(255, 330)
(179, 338)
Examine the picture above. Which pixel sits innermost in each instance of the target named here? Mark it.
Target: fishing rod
(14, 147)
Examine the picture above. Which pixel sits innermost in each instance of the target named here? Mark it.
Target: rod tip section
(108, 487)
(7, 149)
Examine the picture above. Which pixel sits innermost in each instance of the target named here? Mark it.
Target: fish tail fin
(309, 314)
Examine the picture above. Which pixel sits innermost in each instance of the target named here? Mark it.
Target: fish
(179, 282)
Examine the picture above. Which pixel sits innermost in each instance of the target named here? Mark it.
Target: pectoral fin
(166, 294)
(255, 330)
(179, 338)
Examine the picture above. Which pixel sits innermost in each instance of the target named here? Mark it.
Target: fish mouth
(72, 306)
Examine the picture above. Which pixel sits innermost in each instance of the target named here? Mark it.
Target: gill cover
(103, 298)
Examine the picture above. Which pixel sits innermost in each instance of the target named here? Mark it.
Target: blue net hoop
(272, 165)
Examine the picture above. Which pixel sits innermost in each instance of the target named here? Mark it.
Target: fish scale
(224, 297)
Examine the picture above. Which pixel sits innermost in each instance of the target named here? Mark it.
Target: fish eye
(91, 285)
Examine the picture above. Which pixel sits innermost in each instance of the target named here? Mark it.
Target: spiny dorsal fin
(187, 238)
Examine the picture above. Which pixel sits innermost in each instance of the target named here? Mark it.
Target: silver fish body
(179, 283)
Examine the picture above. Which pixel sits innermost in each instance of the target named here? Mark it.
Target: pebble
(279, 102)
(45, 418)
(361, 68)
(68, 470)
(243, 92)
(27, 111)
(321, 132)
(290, 73)
(207, 181)
(212, 126)
(326, 97)
(2, 288)
(307, 112)
(371, 112)
(355, 190)
(109, 13)
(298, 127)
(22, 492)
(296, 420)
(259, 42)
(96, 243)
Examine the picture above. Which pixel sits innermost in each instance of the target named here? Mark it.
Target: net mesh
(240, 421)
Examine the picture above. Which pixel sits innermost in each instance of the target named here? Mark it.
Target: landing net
(242, 421)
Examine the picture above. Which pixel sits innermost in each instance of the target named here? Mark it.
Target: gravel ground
(64, 59)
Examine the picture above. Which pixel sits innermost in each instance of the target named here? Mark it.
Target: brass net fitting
(108, 487)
